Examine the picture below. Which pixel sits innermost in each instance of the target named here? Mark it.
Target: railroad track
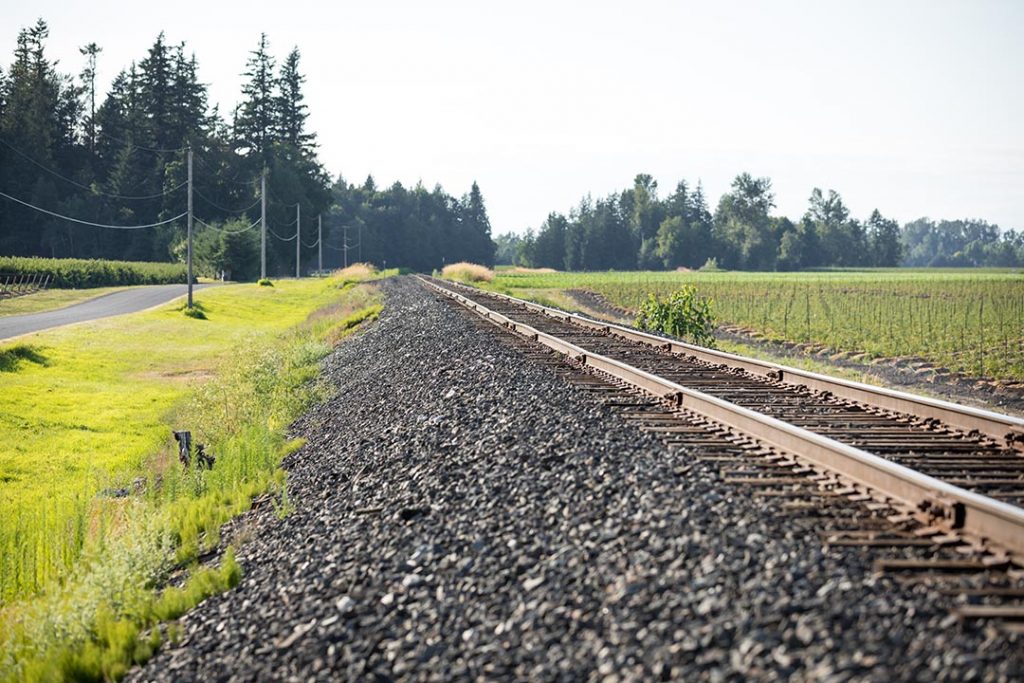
(940, 483)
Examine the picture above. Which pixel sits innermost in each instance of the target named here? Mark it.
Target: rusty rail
(1001, 428)
(978, 517)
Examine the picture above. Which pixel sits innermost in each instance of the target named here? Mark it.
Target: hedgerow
(86, 273)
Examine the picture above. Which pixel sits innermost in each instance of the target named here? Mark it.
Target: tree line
(121, 160)
(636, 229)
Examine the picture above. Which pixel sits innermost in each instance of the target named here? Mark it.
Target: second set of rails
(956, 469)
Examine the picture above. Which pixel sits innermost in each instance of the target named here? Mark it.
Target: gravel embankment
(462, 513)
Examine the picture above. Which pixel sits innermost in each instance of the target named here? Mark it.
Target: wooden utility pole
(263, 224)
(298, 237)
(190, 226)
(320, 244)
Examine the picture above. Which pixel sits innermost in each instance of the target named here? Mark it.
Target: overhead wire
(225, 230)
(286, 204)
(235, 181)
(215, 205)
(87, 187)
(157, 150)
(90, 223)
(283, 239)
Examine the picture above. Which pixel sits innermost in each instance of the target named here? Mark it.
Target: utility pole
(298, 237)
(190, 226)
(344, 243)
(263, 224)
(320, 244)
(360, 244)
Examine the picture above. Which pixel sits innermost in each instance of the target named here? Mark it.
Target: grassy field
(89, 409)
(970, 321)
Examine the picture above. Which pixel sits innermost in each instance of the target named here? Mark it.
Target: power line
(246, 183)
(225, 230)
(286, 205)
(223, 208)
(283, 239)
(157, 150)
(310, 246)
(95, 225)
(87, 187)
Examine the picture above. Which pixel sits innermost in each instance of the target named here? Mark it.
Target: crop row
(83, 273)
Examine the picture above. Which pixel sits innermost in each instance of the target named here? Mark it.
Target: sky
(913, 107)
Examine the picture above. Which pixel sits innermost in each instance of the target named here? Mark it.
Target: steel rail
(1001, 428)
(976, 516)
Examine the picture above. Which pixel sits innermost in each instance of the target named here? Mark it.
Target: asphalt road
(115, 303)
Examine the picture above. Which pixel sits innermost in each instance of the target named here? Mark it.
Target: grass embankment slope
(969, 321)
(88, 409)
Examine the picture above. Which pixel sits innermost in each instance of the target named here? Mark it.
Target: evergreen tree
(41, 111)
(548, 247)
(90, 52)
(476, 227)
(291, 112)
(256, 116)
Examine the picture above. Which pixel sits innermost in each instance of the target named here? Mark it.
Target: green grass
(970, 321)
(51, 299)
(90, 408)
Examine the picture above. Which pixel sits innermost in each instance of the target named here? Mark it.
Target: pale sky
(913, 107)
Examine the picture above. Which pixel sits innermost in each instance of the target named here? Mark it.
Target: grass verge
(95, 512)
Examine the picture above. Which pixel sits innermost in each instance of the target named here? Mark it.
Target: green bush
(86, 273)
(684, 314)
(711, 266)
(264, 282)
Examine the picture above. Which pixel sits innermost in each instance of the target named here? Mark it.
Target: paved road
(115, 303)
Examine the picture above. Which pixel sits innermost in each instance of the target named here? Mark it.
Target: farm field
(87, 417)
(966, 321)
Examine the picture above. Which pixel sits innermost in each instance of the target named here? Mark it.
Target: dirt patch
(911, 374)
(599, 304)
(908, 374)
(183, 375)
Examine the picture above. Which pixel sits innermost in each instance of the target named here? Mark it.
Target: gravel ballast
(460, 512)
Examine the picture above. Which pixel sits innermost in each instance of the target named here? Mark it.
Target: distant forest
(637, 229)
(119, 161)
